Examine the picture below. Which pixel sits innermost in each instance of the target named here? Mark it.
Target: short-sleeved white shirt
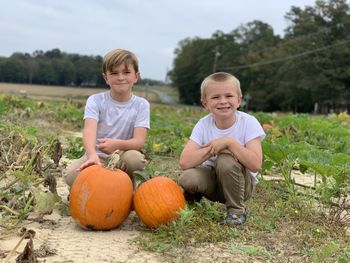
(115, 119)
(245, 129)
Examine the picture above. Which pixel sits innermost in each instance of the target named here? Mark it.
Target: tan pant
(129, 161)
(228, 182)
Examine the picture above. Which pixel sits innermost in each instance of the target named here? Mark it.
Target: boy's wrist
(90, 154)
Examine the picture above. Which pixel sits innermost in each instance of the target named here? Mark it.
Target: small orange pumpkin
(101, 199)
(158, 200)
(267, 126)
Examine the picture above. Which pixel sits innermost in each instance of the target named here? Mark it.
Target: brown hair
(118, 57)
(220, 77)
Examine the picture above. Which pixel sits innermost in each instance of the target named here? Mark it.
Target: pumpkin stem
(113, 161)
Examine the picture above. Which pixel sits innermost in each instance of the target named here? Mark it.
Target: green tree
(256, 43)
(193, 61)
(319, 76)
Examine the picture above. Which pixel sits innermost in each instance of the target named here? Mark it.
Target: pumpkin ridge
(166, 212)
(148, 212)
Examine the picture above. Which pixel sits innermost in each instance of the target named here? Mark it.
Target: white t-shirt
(115, 119)
(245, 129)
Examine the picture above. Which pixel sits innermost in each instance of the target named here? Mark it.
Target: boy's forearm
(245, 156)
(90, 148)
(194, 158)
(89, 140)
(131, 144)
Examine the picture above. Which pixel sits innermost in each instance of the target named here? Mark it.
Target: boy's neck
(121, 97)
(226, 123)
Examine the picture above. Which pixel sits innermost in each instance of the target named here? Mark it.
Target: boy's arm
(108, 145)
(89, 140)
(194, 155)
(249, 155)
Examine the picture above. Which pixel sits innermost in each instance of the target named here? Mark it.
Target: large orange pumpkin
(158, 200)
(101, 199)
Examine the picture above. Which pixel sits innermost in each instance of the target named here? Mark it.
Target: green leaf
(44, 201)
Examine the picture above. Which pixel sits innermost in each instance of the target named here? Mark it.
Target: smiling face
(222, 99)
(121, 80)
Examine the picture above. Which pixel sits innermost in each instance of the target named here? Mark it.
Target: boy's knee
(226, 163)
(188, 181)
(184, 181)
(133, 160)
(69, 175)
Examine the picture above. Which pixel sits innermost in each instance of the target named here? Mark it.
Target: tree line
(52, 68)
(307, 70)
(55, 67)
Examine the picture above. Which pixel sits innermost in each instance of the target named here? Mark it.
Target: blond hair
(220, 77)
(118, 57)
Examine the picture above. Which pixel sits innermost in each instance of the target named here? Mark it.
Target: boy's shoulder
(102, 94)
(138, 98)
(207, 118)
(245, 116)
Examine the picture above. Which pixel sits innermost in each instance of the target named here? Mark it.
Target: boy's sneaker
(192, 198)
(234, 219)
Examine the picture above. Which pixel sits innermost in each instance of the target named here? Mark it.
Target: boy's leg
(197, 182)
(131, 161)
(235, 184)
(70, 173)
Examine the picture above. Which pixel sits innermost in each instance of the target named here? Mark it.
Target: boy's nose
(222, 100)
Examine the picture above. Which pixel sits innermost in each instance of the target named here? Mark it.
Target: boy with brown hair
(115, 121)
(224, 152)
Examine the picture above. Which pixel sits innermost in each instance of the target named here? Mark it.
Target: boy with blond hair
(224, 153)
(115, 121)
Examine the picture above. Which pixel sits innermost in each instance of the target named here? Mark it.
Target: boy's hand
(91, 161)
(106, 145)
(218, 145)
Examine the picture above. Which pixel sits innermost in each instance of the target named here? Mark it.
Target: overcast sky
(151, 29)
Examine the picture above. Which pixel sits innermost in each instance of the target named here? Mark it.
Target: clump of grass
(297, 220)
(197, 223)
(253, 250)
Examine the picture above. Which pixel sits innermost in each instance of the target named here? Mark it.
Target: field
(59, 93)
(299, 213)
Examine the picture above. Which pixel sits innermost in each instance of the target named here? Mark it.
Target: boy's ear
(104, 77)
(240, 100)
(204, 103)
(138, 77)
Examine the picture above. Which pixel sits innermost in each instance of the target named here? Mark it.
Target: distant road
(164, 97)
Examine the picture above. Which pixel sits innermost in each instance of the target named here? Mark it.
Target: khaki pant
(128, 161)
(228, 182)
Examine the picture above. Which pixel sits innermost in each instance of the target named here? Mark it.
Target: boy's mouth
(224, 108)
